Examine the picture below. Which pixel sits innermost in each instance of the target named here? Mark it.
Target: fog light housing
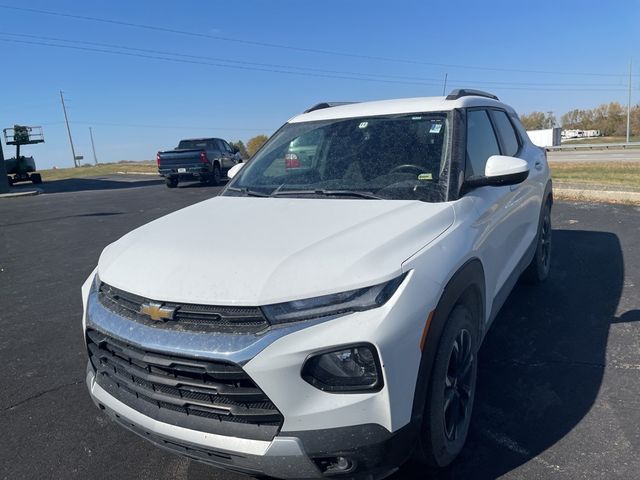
(352, 369)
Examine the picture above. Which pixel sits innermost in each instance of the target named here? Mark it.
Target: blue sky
(138, 105)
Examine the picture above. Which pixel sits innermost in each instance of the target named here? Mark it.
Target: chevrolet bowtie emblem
(156, 312)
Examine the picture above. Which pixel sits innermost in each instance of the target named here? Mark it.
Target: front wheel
(449, 401)
(36, 178)
(538, 269)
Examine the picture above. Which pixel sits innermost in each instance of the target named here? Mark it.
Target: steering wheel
(407, 166)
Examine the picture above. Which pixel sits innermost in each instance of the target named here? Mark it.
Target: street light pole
(629, 104)
(93, 146)
(66, 120)
(4, 181)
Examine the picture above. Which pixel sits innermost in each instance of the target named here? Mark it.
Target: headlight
(96, 283)
(353, 369)
(334, 304)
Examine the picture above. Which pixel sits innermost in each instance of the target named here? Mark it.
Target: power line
(275, 70)
(432, 81)
(296, 48)
(151, 126)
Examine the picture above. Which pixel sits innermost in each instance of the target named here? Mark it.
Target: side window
(220, 145)
(226, 147)
(212, 146)
(508, 135)
(481, 142)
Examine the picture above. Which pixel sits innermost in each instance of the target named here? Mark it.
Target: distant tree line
(253, 144)
(609, 118)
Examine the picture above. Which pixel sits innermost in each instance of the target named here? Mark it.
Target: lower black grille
(212, 396)
(184, 316)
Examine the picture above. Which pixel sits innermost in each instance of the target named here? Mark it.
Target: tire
(538, 270)
(171, 182)
(9, 180)
(36, 178)
(449, 402)
(216, 176)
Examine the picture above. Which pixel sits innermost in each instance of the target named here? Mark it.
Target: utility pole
(93, 146)
(629, 103)
(4, 182)
(66, 120)
(444, 87)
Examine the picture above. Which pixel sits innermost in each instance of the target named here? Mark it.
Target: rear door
(227, 157)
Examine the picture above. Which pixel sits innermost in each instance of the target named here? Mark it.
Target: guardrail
(594, 146)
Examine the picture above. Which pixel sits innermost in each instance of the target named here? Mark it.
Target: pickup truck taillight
(158, 158)
(203, 157)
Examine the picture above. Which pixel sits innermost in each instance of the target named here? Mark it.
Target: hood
(257, 251)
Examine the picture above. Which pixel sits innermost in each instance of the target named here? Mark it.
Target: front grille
(212, 396)
(187, 316)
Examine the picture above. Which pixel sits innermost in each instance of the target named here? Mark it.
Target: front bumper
(375, 430)
(374, 452)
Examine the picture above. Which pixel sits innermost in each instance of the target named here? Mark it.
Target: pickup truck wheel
(538, 269)
(451, 392)
(216, 176)
(171, 182)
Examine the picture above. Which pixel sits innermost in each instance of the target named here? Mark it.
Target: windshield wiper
(327, 193)
(248, 192)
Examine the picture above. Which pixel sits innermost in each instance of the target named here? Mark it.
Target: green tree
(255, 143)
(241, 149)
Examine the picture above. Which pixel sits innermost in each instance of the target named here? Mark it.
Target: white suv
(321, 318)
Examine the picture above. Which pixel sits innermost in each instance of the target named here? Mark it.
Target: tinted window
(185, 144)
(509, 138)
(223, 146)
(481, 141)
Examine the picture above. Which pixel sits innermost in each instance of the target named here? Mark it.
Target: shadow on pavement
(111, 182)
(542, 362)
(103, 183)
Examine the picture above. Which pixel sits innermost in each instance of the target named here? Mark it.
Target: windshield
(397, 157)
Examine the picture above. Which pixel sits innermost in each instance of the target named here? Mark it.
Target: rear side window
(481, 142)
(508, 135)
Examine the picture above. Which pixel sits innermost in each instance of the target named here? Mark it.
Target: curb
(25, 193)
(604, 196)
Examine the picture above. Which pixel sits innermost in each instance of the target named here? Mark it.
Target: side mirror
(233, 171)
(501, 170)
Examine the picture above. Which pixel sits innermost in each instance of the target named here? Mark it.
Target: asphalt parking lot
(559, 381)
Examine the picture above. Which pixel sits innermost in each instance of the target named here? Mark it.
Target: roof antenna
(444, 87)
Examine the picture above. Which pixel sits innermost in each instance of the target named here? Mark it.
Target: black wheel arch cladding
(467, 286)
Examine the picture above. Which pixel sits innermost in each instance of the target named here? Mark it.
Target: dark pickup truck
(204, 159)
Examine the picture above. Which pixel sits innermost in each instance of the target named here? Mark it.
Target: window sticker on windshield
(363, 124)
(425, 176)
(435, 128)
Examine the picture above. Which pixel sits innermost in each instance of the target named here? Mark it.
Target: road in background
(559, 378)
(588, 155)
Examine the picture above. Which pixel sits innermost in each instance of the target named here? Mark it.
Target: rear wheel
(36, 178)
(9, 180)
(538, 269)
(216, 176)
(451, 392)
(172, 182)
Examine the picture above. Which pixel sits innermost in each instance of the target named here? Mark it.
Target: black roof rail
(320, 106)
(467, 92)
